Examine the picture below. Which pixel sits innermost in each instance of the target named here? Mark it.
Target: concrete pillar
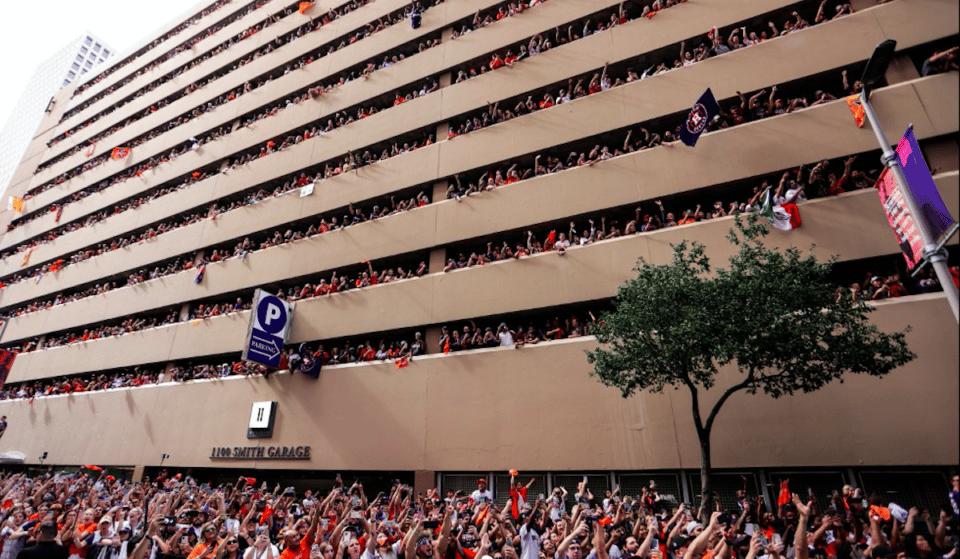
(901, 69)
(942, 155)
(424, 480)
(137, 473)
(440, 189)
(432, 336)
(438, 259)
(184, 311)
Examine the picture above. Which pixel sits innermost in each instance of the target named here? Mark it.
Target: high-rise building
(430, 172)
(69, 64)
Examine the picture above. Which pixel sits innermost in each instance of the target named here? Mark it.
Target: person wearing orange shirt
(298, 543)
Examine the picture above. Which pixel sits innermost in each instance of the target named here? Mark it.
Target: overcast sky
(34, 31)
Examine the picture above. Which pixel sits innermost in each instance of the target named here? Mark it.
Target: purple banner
(932, 209)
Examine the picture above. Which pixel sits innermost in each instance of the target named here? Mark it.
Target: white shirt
(479, 497)
(252, 553)
(506, 339)
(529, 543)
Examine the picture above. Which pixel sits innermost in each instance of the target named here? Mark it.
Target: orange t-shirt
(81, 531)
(198, 550)
(301, 552)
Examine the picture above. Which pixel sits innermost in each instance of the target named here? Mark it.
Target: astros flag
(700, 116)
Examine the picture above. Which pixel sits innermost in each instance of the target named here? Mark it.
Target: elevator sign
(268, 330)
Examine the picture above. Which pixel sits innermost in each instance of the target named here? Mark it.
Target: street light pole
(932, 253)
(936, 256)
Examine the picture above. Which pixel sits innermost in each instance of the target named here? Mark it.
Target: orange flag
(857, 109)
(119, 153)
(882, 512)
(304, 6)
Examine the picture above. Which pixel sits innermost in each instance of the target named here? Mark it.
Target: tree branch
(747, 382)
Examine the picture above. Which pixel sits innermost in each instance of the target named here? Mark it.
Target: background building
(220, 115)
(60, 70)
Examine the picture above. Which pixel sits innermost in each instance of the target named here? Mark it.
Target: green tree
(771, 315)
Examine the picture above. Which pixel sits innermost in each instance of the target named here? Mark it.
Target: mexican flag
(785, 217)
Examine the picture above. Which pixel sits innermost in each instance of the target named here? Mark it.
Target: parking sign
(268, 330)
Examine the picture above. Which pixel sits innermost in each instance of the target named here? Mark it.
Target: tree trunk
(706, 487)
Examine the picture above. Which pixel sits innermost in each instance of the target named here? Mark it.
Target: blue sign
(271, 314)
(265, 348)
(268, 330)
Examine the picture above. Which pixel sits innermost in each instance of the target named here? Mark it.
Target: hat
(382, 540)
(874, 278)
(125, 528)
(692, 525)
(482, 480)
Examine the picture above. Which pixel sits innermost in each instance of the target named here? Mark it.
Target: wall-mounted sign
(262, 416)
(268, 329)
(260, 453)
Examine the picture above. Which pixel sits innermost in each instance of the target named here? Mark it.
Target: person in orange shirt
(297, 543)
(206, 548)
(85, 526)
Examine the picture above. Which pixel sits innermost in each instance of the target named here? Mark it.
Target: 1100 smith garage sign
(260, 453)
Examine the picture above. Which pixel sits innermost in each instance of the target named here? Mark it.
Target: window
(88, 64)
(84, 71)
(79, 58)
(83, 50)
(105, 52)
(71, 74)
(75, 66)
(87, 41)
(96, 47)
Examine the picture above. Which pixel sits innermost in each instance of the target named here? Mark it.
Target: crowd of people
(400, 349)
(87, 515)
(153, 44)
(303, 30)
(748, 108)
(312, 24)
(824, 178)
(752, 108)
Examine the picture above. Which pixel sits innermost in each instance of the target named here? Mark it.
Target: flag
(199, 277)
(700, 116)
(15, 204)
(402, 362)
(311, 368)
(785, 217)
(250, 480)
(91, 149)
(119, 153)
(882, 512)
(784, 496)
(94, 468)
(26, 257)
(304, 6)
(6, 363)
(925, 193)
(901, 222)
(857, 109)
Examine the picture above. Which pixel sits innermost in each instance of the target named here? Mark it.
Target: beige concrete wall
(524, 409)
(732, 154)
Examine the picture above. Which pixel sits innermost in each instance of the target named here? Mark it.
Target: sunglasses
(232, 542)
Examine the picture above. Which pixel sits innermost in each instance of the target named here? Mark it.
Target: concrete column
(432, 336)
(942, 155)
(901, 69)
(424, 480)
(137, 473)
(438, 259)
(184, 311)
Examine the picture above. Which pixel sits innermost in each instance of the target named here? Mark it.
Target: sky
(34, 31)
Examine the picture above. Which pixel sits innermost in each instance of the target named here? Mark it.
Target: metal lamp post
(934, 254)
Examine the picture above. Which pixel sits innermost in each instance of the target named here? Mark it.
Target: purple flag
(933, 211)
